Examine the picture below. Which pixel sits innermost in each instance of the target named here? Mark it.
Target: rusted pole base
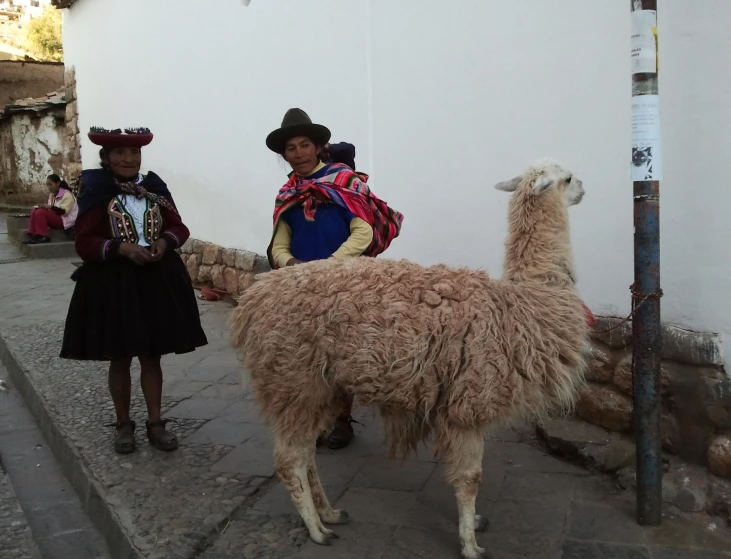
(647, 352)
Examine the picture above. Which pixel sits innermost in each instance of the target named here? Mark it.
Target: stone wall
(30, 150)
(71, 140)
(228, 269)
(696, 392)
(23, 80)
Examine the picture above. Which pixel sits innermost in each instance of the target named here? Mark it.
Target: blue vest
(318, 239)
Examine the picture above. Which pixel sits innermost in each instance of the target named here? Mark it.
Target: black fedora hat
(295, 123)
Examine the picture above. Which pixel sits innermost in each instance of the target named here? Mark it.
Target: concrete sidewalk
(216, 497)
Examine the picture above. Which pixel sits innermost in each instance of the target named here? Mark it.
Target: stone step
(57, 236)
(51, 250)
(17, 223)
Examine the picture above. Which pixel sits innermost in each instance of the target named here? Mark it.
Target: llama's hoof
(481, 523)
(475, 553)
(330, 535)
(321, 539)
(337, 517)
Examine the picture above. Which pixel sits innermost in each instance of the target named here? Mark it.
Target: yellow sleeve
(66, 203)
(281, 244)
(361, 236)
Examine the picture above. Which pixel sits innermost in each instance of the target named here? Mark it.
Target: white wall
(442, 99)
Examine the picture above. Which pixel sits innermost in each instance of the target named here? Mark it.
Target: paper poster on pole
(643, 45)
(646, 139)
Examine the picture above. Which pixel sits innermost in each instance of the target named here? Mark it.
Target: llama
(440, 351)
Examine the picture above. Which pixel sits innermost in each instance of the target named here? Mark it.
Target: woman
(133, 296)
(325, 210)
(59, 213)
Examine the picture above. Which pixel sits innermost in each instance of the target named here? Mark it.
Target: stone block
(228, 257)
(693, 348)
(719, 455)
(618, 337)
(183, 257)
(601, 365)
(717, 402)
(217, 276)
(620, 453)
(720, 497)
(686, 487)
(245, 260)
(231, 281)
(261, 265)
(205, 273)
(71, 111)
(568, 438)
(672, 440)
(196, 246)
(187, 247)
(604, 406)
(211, 254)
(193, 266)
(622, 377)
(246, 279)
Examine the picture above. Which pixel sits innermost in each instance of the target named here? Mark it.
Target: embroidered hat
(132, 137)
(295, 123)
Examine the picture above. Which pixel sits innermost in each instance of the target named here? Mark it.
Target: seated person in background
(59, 213)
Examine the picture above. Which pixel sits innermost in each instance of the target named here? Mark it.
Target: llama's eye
(568, 180)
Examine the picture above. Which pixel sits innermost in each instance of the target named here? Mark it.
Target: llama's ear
(510, 185)
(542, 184)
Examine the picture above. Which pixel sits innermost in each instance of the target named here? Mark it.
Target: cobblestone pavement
(216, 498)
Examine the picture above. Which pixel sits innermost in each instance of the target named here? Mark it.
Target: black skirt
(121, 310)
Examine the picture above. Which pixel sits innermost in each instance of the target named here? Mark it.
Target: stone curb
(9, 500)
(72, 466)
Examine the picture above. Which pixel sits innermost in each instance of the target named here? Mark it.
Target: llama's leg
(291, 457)
(464, 472)
(322, 504)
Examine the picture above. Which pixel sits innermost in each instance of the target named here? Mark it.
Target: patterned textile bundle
(348, 190)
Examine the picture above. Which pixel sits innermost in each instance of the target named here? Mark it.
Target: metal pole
(646, 293)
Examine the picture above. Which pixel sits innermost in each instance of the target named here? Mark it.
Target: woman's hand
(137, 254)
(294, 262)
(157, 251)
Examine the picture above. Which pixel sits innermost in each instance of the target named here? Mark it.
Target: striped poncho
(342, 186)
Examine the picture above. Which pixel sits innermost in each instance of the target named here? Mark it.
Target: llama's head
(545, 175)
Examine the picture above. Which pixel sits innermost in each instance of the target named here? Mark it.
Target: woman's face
(52, 186)
(124, 162)
(302, 155)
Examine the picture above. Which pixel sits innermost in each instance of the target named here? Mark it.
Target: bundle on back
(442, 352)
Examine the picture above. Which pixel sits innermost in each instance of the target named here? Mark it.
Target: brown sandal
(124, 440)
(160, 437)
